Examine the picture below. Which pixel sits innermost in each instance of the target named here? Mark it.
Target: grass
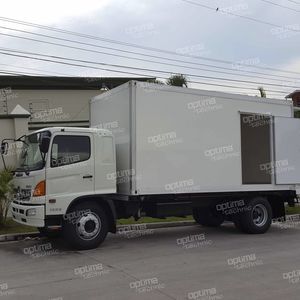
(292, 210)
(13, 227)
(152, 220)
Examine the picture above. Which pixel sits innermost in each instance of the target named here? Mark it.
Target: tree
(297, 114)
(177, 80)
(155, 81)
(262, 92)
(6, 194)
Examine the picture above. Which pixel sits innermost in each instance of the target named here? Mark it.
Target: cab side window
(67, 150)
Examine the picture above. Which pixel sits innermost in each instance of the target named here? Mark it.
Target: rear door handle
(87, 176)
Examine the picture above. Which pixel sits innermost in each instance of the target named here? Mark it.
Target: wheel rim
(88, 226)
(259, 215)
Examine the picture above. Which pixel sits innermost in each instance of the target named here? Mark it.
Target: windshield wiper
(23, 169)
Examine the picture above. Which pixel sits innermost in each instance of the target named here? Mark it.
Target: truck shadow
(43, 247)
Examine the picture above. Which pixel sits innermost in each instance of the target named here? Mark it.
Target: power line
(236, 15)
(280, 5)
(141, 69)
(9, 72)
(133, 73)
(145, 47)
(169, 64)
(34, 69)
(134, 58)
(294, 1)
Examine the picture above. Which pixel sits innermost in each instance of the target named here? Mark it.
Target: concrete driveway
(174, 263)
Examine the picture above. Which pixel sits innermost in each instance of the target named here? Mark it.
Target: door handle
(87, 176)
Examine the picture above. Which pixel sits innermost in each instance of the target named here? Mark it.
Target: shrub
(6, 194)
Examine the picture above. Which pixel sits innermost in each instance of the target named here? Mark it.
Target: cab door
(70, 171)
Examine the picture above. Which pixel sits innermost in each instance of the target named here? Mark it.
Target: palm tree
(177, 80)
(262, 92)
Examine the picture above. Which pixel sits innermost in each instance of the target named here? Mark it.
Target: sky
(211, 36)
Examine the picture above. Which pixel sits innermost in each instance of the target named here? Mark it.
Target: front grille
(19, 211)
(22, 195)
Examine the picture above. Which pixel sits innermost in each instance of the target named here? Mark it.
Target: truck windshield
(30, 158)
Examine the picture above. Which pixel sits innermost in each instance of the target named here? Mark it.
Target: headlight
(31, 212)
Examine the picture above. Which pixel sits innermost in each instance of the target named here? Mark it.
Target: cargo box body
(177, 140)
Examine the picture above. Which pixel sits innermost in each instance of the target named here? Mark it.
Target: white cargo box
(180, 140)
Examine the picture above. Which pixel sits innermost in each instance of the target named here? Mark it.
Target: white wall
(53, 105)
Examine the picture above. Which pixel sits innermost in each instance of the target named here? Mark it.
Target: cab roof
(76, 129)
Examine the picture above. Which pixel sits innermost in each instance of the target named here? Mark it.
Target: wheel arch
(277, 204)
(276, 201)
(103, 201)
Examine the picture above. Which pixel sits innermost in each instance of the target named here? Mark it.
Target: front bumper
(20, 214)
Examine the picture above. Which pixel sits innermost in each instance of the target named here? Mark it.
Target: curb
(18, 236)
(129, 227)
(293, 217)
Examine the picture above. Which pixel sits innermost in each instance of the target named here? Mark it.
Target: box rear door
(287, 150)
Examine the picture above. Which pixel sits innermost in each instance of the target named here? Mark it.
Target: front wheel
(257, 219)
(87, 228)
(207, 217)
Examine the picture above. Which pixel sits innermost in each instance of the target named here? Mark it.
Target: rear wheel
(88, 229)
(207, 217)
(257, 219)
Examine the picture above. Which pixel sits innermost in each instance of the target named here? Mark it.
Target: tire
(207, 217)
(88, 229)
(44, 231)
(256, 220)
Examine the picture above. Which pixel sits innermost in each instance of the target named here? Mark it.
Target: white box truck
(155, 150)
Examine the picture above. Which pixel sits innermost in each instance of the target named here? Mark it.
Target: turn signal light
(40, 189)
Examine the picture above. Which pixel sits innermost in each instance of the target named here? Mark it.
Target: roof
(64, 83)
(19, 110)
(98, 131)
(291, 95)
(201, 94)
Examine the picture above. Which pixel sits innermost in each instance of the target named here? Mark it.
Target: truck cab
(56, 168)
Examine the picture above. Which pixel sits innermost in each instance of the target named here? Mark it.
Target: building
(28, 103)
(295, 96)
(54, 101)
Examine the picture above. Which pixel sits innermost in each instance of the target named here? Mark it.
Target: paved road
(174, 263)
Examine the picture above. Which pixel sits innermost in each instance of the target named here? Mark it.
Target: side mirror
(44, 144)
(4, 148)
